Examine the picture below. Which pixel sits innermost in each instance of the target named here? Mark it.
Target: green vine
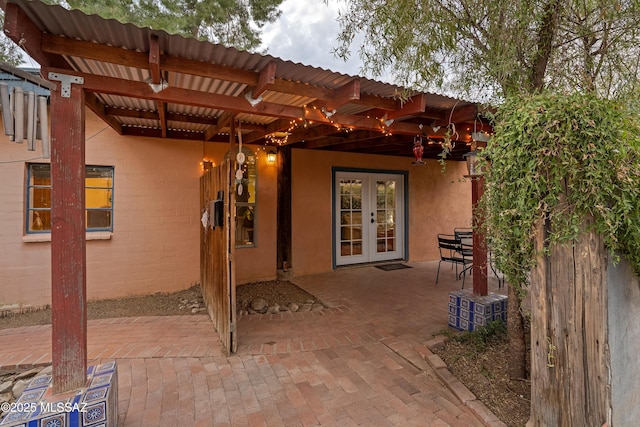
(563, 158)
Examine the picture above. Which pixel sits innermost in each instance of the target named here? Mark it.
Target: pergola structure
(145, 82)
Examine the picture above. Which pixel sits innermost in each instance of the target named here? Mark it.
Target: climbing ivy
(562, 158)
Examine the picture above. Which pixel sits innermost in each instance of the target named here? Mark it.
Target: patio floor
(355, 363)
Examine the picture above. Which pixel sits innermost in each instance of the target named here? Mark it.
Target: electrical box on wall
(217, 210)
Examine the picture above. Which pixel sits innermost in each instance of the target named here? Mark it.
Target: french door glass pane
(385, 216)
(350, 217)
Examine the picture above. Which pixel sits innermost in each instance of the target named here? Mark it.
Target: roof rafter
(57, 45)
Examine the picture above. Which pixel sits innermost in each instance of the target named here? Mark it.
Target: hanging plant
(448, 144)
(562, 158)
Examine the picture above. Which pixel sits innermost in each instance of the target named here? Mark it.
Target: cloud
(307, 32)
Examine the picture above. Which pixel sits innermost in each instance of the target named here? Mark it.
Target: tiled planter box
(468, 312)
(96, 405)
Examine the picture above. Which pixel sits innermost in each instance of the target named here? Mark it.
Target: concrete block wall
(155, 243)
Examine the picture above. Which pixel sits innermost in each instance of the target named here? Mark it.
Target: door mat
(394, 266)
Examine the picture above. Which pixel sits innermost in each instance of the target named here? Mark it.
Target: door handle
(373, 220)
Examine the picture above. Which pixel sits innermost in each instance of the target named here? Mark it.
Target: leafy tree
(497, 50)
(9, 51)
(487, 49)
(230, 22)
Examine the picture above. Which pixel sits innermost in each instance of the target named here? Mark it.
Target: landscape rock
(18, 387)
(5, 397)
(274, 309)
(27, 374)
(305, 307)
(293, 307)
(259, 304)
(6, 387)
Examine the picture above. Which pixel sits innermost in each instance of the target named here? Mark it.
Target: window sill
(46, 237)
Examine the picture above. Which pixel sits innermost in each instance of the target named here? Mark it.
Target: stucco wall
(438, 202)
(155, 243)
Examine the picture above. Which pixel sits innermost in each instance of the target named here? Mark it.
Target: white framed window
(98, 198)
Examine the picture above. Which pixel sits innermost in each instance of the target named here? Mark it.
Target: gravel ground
(482, 368)
(186, 302)
(160, 304)
(277, 292)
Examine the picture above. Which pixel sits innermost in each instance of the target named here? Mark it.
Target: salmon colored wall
(155, 243)
(438, 202)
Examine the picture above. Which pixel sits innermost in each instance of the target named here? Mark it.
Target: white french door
(369, 217)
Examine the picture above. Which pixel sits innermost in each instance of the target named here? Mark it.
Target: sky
(307, 32)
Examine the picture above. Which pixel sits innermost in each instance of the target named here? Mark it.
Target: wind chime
(24, 117)
(240, 159)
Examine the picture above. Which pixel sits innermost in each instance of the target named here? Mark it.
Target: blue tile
(94, 413)
(57, 420)
(39, 381)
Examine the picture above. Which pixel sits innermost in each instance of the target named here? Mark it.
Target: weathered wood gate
(217, 270)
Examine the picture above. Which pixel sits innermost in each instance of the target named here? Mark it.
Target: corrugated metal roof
(75, 25)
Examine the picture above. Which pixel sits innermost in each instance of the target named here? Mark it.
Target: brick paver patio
(355, 363)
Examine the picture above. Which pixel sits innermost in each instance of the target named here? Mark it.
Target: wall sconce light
(207, 165)
(271, 156)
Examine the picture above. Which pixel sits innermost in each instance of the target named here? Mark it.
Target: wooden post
(480, 286)
(284, 259)
(68, 251)
(570, 358)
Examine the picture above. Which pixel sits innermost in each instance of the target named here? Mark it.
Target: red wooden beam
(480, 286)
(266, 78)
(130, 88)
(413, 106)
(154, 59)
(467, 113)
(22, 30)
(344, 95)
(68, 251)
(57, 45)
(162, 117)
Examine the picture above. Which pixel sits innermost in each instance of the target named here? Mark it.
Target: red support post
(68, 247)
(480, 286)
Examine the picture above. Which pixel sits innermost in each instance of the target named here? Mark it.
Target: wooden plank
(344, 95)
(154, 59)
(68, 252)
(266, 78)
(569, 332)
(130, 88)
(413, 106)
(217, 247)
